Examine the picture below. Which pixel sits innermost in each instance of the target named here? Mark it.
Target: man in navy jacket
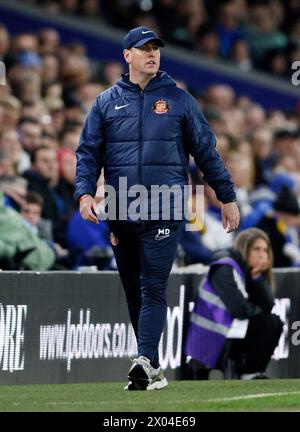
(142, 130)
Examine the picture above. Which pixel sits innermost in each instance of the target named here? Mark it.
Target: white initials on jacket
(162, 233)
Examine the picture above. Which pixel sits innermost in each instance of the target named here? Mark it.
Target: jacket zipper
(141, 137)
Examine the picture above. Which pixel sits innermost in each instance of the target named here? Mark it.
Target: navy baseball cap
(140, 36)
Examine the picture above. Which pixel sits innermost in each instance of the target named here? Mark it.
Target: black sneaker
(139, 373)
(142, 376)
(132, 386)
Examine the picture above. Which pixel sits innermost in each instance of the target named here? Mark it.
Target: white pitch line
(252, 396)
(199, 401)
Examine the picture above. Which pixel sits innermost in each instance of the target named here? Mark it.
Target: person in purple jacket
(234, 304)
(142, 131)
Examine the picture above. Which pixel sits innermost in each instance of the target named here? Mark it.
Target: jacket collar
(162, 79)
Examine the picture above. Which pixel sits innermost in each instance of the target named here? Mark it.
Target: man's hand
(230, 216)
(87, 208)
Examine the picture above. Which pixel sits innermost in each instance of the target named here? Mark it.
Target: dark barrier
(286, 358)
(74, 327)
(67, 327)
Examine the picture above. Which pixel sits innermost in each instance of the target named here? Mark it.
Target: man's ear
(127, 55)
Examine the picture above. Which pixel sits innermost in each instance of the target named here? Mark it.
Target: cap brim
(146, 40)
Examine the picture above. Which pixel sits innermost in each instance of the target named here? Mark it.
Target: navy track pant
(144, 255)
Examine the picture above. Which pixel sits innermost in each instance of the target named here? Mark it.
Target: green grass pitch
(184, 396)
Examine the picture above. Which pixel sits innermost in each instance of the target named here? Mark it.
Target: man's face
(30, 135)
(145, 59)
(10, 142)
(6, 167)
(46, 163)
(11, 116)
(289, 219)
(31, 212)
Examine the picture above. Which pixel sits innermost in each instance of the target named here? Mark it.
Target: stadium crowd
(49, 91)
(262, 34)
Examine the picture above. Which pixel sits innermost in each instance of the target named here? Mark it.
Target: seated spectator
(27, 86)
(282, 225)
(34, 110)
(262, 198)
(11, 112)
(74, 111)
(240, 55)
(208, 43)
(31, 211)
(255, 117)
(276, 63)
(241, 169)
(40, 177)
(70, 139)
(222, 96)
(92, 240)
(10, 142)
(214, 117)
(49, 39)
(50, 68)
(6, 164)
(168, 18)
(55, 106)
(86, 93)
(261, 141)
(110, 73)
(228, 26)
(20, 247)
(25, 42)
(232, 315)
(30, 131)
(206, 235)
(75, 71)
(286, 142)
(262, 33)
(14, 189)
(43, 177)
(54, 89)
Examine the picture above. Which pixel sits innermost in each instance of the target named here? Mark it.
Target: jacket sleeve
(222, 279)
(261, 294)
(201, 144)
(90, 153)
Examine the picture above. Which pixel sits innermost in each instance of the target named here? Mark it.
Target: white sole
(158, 385)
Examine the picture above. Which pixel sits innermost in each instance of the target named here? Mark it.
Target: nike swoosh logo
(121, 106)
(157, 237)
(148, 31)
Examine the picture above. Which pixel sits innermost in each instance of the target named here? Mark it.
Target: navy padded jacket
(129, 137)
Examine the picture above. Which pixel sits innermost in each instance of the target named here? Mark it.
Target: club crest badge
(160, 107)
